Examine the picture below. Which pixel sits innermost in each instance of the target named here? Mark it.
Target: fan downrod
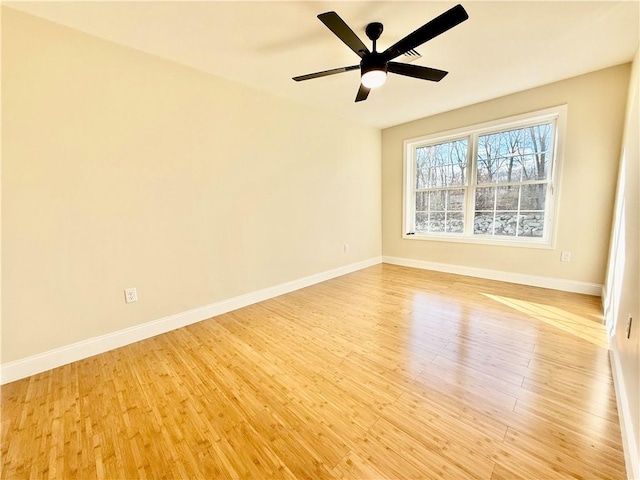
(373, 31)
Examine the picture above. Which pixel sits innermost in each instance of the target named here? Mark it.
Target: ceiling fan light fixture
(373, 69)
(374, 78)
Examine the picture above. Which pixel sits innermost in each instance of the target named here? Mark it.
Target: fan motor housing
(373, 61)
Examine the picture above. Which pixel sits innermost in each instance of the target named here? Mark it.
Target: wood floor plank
(502, 473)
(385, 373)
(429, 455)
(601, 466)
(461, 448)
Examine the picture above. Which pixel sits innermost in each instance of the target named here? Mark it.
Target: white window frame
(557, 114)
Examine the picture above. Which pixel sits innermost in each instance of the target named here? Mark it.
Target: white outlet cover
(130, 295)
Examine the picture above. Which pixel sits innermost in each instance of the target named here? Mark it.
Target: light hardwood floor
(388, 372)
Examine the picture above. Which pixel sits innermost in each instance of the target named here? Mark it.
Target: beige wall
(623, 280)
(596, 103)
(122, 170)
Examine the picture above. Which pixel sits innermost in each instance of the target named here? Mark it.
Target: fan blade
(363, 93)
(334, 23)
(429, 30)
(416, 71)
(325, 73)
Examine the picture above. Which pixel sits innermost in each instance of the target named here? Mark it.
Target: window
(439, 186)
(489, 183)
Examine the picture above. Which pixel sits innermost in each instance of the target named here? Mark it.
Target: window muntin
(488, 183)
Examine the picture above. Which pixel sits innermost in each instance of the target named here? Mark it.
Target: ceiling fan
(375, 65)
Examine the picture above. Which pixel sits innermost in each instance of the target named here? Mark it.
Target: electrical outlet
(565, 257)
(130, 295)
(346, 248)
(629, 326)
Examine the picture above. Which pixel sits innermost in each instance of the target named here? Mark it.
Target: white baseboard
(42, 362)
(519, 278)
(629, 440)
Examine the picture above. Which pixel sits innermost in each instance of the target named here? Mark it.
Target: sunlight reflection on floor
(581, 327)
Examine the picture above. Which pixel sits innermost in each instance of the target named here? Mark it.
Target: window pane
(500, 155)
(424, 163)
(436, 155)
(516, 169)
(502, 166)
(438, 200)
(507, 198)
(455, 200)
(455, 222)
(422, 177)
(437, 177)
(446, 176)
(458, 158)
(436, 222)
(532, 169)
(486, 171)
(515, 141)
(531, 224)
(483, 223)
(491, 149)
(422, 222)
(532, 197)
(505, 224)
(489, 146)
(422, 201)
(451, 175)
(539, 139)
(441, 165)
(509, 169)
(485, 198)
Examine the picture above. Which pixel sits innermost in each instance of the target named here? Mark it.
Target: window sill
(498, 242)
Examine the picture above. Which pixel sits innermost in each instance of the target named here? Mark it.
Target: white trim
(515, 121)
(629, 446)
(42, 362)
(479, 240)
(519, 278)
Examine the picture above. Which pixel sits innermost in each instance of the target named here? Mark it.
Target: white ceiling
(503, 48)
